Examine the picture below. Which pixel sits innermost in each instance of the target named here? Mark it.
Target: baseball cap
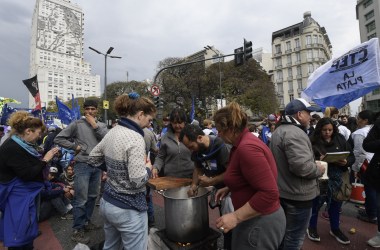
(53, 170)
(299, 104)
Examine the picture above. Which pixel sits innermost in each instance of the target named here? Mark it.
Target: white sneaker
(375, 241)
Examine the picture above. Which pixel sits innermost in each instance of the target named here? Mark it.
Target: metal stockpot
(186, 218)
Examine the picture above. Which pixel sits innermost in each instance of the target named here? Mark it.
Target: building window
(308, 40)
(310, 54)
(299, 83)
(368, 3)
(278, 62)
(369, 15)
(299, 71)
(311, 68)
(289, 59)
(291, 97)
(298, 57)
(290, 86)
(371, 26)
(376, 92)
(288, 46)
(279, 75)
(372, 36)
(315, 39)
(278, 48)
(297, 41)
(280, 88)
(290, 72)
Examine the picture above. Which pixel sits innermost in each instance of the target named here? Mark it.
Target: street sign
(155, 90)
(106, 104)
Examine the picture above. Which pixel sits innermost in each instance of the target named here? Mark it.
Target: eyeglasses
(89, 108)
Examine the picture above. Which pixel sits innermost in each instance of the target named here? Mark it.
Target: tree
(116, 89)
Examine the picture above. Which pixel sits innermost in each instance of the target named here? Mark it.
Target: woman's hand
(227, 222)
(221, 193)
(205, 181)
(193, 191)
(50, 154)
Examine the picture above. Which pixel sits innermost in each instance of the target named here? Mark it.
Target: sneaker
(312, 234)
(339, 236)
(325, 215)
(67, 216)
(91, 226)
(374, 241)
(79, 237)
(365, 218)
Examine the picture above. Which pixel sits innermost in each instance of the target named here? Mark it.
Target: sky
(144, 32)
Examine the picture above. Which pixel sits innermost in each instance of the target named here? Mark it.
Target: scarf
(29, 147)
(128, 123)
(287, 119)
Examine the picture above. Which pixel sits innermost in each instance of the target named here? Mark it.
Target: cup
(325, 164)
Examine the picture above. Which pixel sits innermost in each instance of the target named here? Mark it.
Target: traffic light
(239, 57)
(156, 101)
(247, 50)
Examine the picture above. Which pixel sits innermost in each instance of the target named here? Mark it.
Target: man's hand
(205, 181)
(91, 120)
(77, 149)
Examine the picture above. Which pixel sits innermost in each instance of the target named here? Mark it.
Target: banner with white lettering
(346, 78)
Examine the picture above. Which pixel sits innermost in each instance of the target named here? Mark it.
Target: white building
(297, 51)
(368, 14)
(56, 53)
(264, 58)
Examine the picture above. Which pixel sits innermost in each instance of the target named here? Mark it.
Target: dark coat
(372, 144)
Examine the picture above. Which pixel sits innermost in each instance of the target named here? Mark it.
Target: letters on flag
(346, 78)
(32, 85)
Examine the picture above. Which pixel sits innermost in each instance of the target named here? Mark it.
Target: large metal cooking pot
(186, 218)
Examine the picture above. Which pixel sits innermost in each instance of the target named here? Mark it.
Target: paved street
(56, 233)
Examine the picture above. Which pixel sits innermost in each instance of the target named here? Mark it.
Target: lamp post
(107, 54)
(220, 73)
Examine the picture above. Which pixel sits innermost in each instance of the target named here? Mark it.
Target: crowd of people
(265, 177)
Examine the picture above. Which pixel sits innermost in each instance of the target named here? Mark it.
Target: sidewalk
(56, 233)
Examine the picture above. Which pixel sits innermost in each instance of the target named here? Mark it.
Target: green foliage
(248, 84)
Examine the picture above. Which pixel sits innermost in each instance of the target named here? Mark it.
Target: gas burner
(208, 243)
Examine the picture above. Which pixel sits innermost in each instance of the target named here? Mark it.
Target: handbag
(343, 193)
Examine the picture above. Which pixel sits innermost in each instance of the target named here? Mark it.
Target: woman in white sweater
(123, 205)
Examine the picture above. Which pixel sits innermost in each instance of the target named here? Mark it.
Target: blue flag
(346, 78)
(6, 112)
(192, 111)
(75, 108)
(64, 112)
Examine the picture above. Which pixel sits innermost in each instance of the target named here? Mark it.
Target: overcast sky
(144, 32)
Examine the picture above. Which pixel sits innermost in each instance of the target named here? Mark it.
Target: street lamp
(107, 54)
(220, 73)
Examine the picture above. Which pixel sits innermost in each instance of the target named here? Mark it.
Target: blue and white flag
(64, 112)
(346, 78)
(75, 108)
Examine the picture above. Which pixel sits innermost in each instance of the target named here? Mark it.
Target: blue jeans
(297, 220)
(333, 210)
(123, 227)
(86, 186)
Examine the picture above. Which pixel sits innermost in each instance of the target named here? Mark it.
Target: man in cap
(297, 170)
(82, 136)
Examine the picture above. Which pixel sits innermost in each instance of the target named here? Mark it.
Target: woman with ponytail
(258, 221)
(122, 151)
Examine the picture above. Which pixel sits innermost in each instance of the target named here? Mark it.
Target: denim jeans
(297, 220)
(123, 227)
(60, 204)
(86, 186)
(333, 210)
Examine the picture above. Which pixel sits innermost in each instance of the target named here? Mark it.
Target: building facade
(56, 53)
(264, 58)
(368, 14)
(297, 51)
